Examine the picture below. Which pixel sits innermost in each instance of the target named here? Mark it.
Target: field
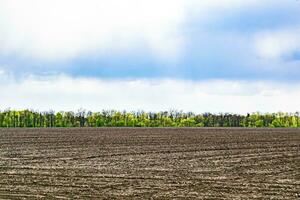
(169, 163)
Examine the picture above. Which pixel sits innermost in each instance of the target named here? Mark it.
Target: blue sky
(124, 42)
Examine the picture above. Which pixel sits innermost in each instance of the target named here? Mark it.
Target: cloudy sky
(204, 56)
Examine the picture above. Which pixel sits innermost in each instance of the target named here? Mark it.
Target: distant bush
(112, 118)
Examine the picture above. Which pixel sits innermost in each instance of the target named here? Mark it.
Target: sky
(234, 56)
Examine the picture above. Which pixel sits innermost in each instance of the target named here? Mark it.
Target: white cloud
(58, 29)
(66, 93)
(64, 29)
(277, 44)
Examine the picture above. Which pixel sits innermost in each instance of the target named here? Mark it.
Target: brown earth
(127, 163)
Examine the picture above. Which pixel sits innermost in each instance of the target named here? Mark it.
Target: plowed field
(137, 163)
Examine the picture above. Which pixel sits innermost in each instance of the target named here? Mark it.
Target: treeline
(111, 118)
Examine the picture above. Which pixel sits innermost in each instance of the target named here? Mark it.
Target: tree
(112, 118)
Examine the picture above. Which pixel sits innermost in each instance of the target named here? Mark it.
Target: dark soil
(169, 163)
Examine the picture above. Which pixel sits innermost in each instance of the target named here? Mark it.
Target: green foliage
(111, 118)
(259, 123)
